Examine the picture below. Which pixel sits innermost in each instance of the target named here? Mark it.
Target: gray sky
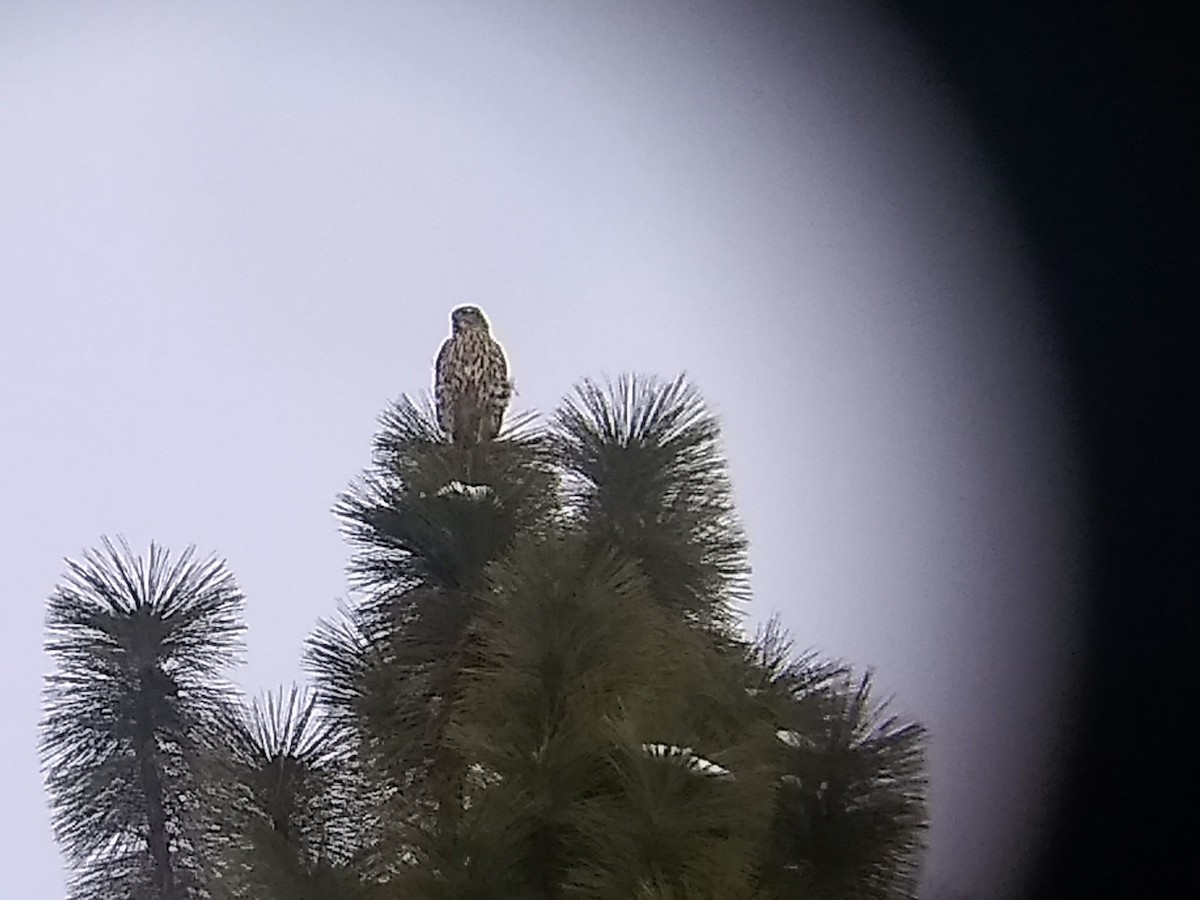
(230, 232)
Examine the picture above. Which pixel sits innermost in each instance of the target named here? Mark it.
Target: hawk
(471, 388)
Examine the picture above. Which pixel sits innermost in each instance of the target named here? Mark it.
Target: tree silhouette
(539, 687)
(137, 718)
(299, 826)
(850, 812)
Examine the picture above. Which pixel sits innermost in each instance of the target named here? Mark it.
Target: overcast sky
(230, 233)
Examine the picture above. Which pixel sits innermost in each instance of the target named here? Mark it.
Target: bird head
(468, 318)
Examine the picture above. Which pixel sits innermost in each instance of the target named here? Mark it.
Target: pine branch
(646, 474)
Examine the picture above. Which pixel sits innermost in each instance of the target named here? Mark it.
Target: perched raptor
(471, 387)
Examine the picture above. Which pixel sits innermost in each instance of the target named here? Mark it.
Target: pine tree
(539, 689)
(545, 672)
(137, 720)
(426, 519)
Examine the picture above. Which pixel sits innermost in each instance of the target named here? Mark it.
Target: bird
(471, 386)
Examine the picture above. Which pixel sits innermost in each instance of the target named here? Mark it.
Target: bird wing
(498, 364)
(441, 379)
(443, 358)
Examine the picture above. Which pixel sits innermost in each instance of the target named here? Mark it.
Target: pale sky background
(231, 232)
